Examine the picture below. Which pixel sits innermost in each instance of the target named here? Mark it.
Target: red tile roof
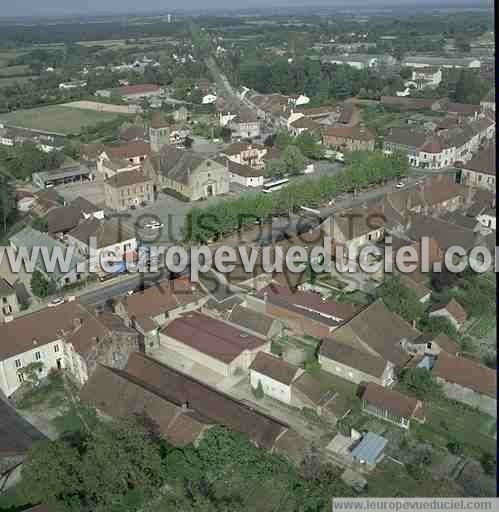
(274, 367)
(397, 403)
(466, 373)
(166, 296)
(350, 132)
(212, 337)
(302, 301)
(138, 89)
(206, 401)
(454, 308)
(131, 150)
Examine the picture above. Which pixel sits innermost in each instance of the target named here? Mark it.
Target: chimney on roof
(77, 323)
(185, 405)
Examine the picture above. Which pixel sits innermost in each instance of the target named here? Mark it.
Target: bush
(488, 462)
(420, 382)
(40, 286)
(455, 447)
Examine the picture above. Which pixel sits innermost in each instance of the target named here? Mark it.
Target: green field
(57, 119)
(20, 70)
(11, 80)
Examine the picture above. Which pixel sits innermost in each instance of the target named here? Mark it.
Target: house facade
(128, 189)
(102, 242)
(246, 154)
(480, 171)
(465, 381)
(245, 125)
(392, 406)
(349, 138)
(66, 337)
(354, 365)
(274, 375)
(9, 303)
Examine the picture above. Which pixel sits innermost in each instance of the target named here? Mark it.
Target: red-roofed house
(127, 157)
(351, 138)
(392, 406)
(468, 382)
(137, 92)
(305, 312)
(453, 311)
(212, 343)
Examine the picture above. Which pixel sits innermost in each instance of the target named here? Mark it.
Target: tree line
(365, 168)
(124, 465)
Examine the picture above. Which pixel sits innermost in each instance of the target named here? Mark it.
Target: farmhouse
(451, 310)
(367, 332)
(349, 138)
(190, 174)
(303, 312)
(118, 394)
(468, 382)
(212, 343)
(213, 406)
(354, 365)
(274, 375)
(392, 406)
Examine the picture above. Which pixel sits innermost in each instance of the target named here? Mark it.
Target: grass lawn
(482, 327)
(57, 119)
(14, 71)
(11, 80)
(390, 480)
(50, 392)
(446, 421)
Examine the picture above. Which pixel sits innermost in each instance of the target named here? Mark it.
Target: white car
(400, 184)
(154, 225)
(56, 302)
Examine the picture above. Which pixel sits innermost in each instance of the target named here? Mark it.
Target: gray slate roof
(177, 164)
(251, 320)
(29, 238)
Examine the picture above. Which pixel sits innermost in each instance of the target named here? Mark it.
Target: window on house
(18, 363)
(56, 348)
(20, 377)
(38, 356)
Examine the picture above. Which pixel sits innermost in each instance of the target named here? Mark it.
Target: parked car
(56, 302)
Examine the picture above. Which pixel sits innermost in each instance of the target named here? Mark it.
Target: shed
(370, 450)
